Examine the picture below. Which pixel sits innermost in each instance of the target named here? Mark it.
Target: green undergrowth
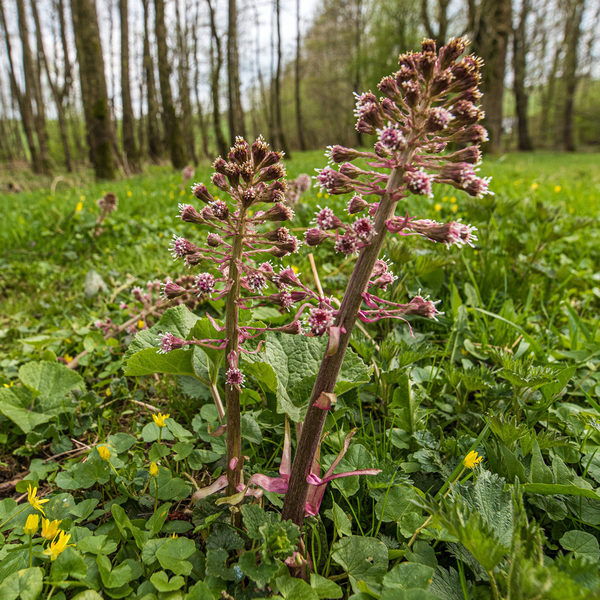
(510, 371)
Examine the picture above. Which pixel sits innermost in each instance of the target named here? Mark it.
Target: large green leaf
(362, 558)
(582, 543)
(26, 420)
(25, 584)
(50, 379)
(551, 489)
(173, 553)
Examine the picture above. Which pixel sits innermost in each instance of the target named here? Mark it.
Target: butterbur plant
(427, 113)
(245, 234)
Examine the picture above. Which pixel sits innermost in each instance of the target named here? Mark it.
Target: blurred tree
(236, 111)
(130, 150)
(172, 127)
(297, 95)
(280, 140)
(439, 33)
(520, 48)
(93, 88)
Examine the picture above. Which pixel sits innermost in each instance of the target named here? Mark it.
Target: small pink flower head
(180, 247)
(187, 173)
(278, 212)
(123, 305)
(347, 244)
(466, 113)
(234, 377)
(171, 290)
(320, 320)
(272, 172)
(340, 154)
(364, 104)
(240, 151)
(189, 214)
(390, 110)
(412, 92)
(382, 276)
(266, 268)
(438, 118)
(138, 293)
(389, 88)
(314, 237)
(205, 284)
(326, 219)
(260, 149)
(364, 230)
(169, 342)
(333, 182)
(206, 213)
(418, 182)
(474, 134)
(108, 203)
(219, 180)
(214, 240)
(453, 233)
(288, 277)
(422, 307)
(357, 204)
(392, 138)
(219, 209)
(478, 187)
(256, 281)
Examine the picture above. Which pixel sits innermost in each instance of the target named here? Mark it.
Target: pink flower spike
(169, 342)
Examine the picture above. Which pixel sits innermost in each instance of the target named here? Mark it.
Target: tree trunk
(441, 33)
(281, 141)
(93, 87)
(24, 107)
(297, 95)
(154, 139)
(183, 68)
(202, 119)
(356, 87)
(130, 150)
(519, 72)
(172, 128)
(492, 25)
(236, 112)
(33, 92)
(58, 93)
(216, 62)
(572, 38)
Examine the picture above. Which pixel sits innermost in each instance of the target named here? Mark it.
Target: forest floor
(510, 370)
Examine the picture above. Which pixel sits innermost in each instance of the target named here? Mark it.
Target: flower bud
(32, 524)
(220, 165)
(219, 209)
(418, 182)
(333, 182)
(314, 237)
(423, 308)
(293, 328)
(277, 235)
(271, 172)
(326, 219)
(180, 247)
(260, 149)
(240, 151)
(451, 51)
(189, 214)
(201, 192)
(288, 277)
(438, 118)
(214, 240)
(278, 212)
(172, 290)
(391, 110)
(404, 73)
(219, 180)
(205, 283)
(412, 93)
(169, 342)
(340, 154)
(466, 112)
(389, 88)
(357, 204)
(441, 82)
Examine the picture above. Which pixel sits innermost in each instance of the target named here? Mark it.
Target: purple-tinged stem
(232, 392)
(295, 498)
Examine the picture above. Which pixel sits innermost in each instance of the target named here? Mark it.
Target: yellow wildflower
(159, 419)
(140, 324)
(32, 523)
(295, 269)
(50, 528)
(153, 469)
(108, 392)
(79, 207)
(453, 199)
(68, 358)
(454, 208)
(58, 546)
(319, 194)
(472, 459)
(174, 535)
(129, 194)
(9, 385)
(535, 185)
(437, 207)
(82, 197)
(34, 500)
(557, 188)
(104, 452)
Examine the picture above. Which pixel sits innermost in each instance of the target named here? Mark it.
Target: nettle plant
(427, 105)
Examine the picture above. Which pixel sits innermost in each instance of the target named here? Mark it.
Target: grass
(510, 370)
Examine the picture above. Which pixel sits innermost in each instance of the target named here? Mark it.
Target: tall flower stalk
(429, 103)
(238, 247)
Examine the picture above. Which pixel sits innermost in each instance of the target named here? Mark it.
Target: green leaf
(155, 523)
(113, 578)
(172, 488)
(397, 502)
(260, 573)
(50, 379)
(408, 576)
(121, 442)
(362, 558)
(295, 589)
(173, 553)
(581, 543)
(539, 471)
(84, 509)
(199, 591)
(148, 362)
(340, 519)
(69, 564)
(88, 595)
(254, 517)
(97, 544)
(550, 489)
(325, 588)
(26, 420)
(26, 584)
(162, 583)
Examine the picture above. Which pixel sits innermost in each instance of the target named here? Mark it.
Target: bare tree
(33, 91)
(154, 138)
(297, 95)
(358, 29)
(235, 112)
(93, 88)
(172, 128)
(129, 146)
(440, 33)
(216, 62)
(520, 47)
(202, 118)
(490, 22)
(279, 135)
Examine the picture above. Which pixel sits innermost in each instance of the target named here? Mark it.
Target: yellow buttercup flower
(129, 193)
(159, 419)
(472, 459)
(57, 547)
(50, 528)
(437, 207)
(153, 470)
(140, 324)
(535, 185)
(557, 188)
(34, 500)
(104, 452)
(79, 207)
(454, 208)
(32, 524)
(174, 535)
(453, 199)
(108, 392)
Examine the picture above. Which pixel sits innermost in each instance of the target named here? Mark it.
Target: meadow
(509, 370)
